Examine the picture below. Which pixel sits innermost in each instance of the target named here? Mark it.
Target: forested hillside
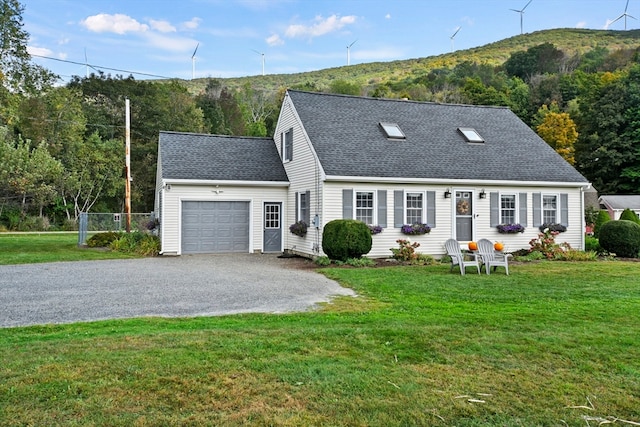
(62, 148)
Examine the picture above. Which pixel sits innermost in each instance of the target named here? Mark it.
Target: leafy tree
(257, 108)
(603, 150)
(29, 174)
(345, 88)
(478, 94)
(541, 59)
(55, 117)
(17, 74)
(155, 106)
(559, 131)
(94, 171)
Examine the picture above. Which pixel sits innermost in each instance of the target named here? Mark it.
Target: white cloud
(174, 44)
(609, 22)
(192, 24)
(162, 26)
(581, 24)
(118, 23)
(41, 51)
(274, 40)
(320, 26)
(387, 16)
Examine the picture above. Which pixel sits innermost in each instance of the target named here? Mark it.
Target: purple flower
(375, 229)
(510, 228)
(417, 228)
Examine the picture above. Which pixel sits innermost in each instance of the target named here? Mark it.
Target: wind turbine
(262, 54)
(454, 34)
(193, 63)
(625, 14)
(521, 12)
(349, 52)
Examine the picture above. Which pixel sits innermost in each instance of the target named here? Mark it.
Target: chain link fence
(91, 223)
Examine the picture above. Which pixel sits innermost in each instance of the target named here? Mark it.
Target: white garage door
(211, 227)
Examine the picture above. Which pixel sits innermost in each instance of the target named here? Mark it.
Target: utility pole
(127, 151)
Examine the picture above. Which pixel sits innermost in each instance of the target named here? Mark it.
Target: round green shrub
(630, 215)
(602, 218)
(621, 237)
(346, 238)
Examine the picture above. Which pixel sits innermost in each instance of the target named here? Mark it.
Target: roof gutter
(443, 181)
(232, 183)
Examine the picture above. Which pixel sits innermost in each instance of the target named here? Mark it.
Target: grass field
(553, 344)
(21, 248)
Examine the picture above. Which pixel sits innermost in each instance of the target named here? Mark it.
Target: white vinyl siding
(172, 200)
(305, 176)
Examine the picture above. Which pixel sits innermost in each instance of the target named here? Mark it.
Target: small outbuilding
(616, 204)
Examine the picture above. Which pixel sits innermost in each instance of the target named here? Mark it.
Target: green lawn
(22, 248)
(553, 344)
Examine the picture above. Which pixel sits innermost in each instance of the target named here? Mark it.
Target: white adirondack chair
(458, 258)
(492, 258)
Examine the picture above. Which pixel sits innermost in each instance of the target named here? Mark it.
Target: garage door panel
(210, 227)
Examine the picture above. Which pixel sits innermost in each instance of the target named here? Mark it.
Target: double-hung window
(414, 208)
(303, 213)
(364, 204)
(287, 145)
(508, 209)
(549, 209)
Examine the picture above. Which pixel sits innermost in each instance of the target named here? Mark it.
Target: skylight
(392, 130)
(471, 135)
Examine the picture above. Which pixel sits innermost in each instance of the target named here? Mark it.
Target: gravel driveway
(185, 286)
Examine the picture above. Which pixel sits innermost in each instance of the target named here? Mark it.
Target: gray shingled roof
(345, 133)
(215, 157)
(622, 202)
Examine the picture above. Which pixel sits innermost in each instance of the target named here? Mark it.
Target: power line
(103, 68)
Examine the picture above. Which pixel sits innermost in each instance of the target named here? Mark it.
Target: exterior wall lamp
(447, 193)
(483, 195)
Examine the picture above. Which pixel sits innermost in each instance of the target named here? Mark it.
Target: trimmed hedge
(346, 238)
(621, 237)
(630, 215)
(602, 218)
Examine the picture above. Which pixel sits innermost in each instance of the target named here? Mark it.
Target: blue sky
(159, 37)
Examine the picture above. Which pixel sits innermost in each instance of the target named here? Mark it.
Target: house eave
(461, 182)
(234, 183)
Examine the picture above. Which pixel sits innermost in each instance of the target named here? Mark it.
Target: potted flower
(510, 228)
(375, 229)
(552, 227)
(298, 228)
(415, 229)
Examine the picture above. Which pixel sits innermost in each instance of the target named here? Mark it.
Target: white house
(461, 169)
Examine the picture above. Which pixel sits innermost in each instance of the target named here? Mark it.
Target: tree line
(62, 147)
